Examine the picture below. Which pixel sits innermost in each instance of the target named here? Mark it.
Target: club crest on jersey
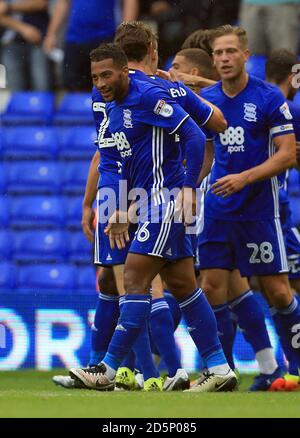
(127, 118)
(250, 112)
(162, 108)
(285, 110)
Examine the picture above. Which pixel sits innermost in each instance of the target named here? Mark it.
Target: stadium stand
(74, 208)
(8, 276)
(74, 177)
(46, 277)
(6, 245)
(77, 143)
(29, 108)
(80, 249)
(45, 246)
(4, 212)
(30, 142)
(37, 212)
(36, 177)
(74, 109)
(86, 279)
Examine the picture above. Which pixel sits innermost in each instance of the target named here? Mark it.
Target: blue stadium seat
(74, 211)
(77, 143)
(3, 178)
(37, 212)
(74, 177)
(36, 177)
(86, 279)
(294, 182)
(30, 142)
(8, 276)
(41, 246)
(6, 245)
(59, 276)
(4, 211)
(295, 207)
(256, 66)
(75, 108)
(29, 108)
(81, 250)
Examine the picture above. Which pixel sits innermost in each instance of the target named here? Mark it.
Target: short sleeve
(197, 109)
(279, 117)
(159, 109)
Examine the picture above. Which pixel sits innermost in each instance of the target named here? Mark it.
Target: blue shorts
(103, 254)
(292, 241)
(163, 238)
(255, 248)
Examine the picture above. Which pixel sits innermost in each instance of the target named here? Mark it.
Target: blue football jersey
(110, 163)
(255, 116)
(143, 127)
(283, 177)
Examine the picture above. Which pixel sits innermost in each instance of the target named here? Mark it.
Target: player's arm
(130, 10)
(89, 198)
(59, 15)
(283, 159)
(217, 121)
(208, 159)
(203, 112)
(30, 33)
(23, 6)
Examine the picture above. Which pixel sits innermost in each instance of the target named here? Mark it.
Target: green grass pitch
(32, 394)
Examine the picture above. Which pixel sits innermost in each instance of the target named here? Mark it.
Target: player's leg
(216, 262)
(292, 239)
(201, 322)
(163, 341)
(262, 253)
(250, 318)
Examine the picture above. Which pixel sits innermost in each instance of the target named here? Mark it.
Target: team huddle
(190, 177)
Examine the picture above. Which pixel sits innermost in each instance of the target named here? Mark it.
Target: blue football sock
(251, 320)
(141, 355)
(174, 308)
(129, 361)
(132, 333)
(285, 320)
(202, 326)
(162, 334)
(226, 331)
(106, 317)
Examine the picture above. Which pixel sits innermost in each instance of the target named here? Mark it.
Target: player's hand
(87, 219)
(186, 206)
(31, 34)
(49, 43)
(229, 184)
(164, 74)
(117, 230)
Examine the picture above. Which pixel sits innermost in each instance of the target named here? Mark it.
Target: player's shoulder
(96, 95)
(212, 90)
(264, 89)
(148, 90)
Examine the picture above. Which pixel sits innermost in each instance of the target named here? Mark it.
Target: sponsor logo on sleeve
(162, 108)
(285, 110)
